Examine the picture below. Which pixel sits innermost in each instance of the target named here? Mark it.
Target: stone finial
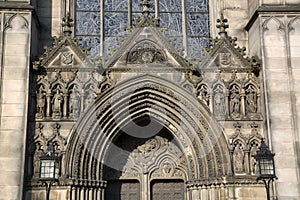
(222, 26)
(145, 5)
(67, 24)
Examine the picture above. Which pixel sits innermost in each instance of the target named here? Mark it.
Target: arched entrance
(146, 134)
(145, 167)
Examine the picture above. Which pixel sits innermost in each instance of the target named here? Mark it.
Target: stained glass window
(88, 24)
(118, 14)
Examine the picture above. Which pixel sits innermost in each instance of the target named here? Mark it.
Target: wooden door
(167, 190)
(122, 190)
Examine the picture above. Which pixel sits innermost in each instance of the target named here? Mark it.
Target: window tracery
(118, 15)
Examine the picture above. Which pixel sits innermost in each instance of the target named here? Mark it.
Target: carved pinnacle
(67, 24)
(146, 5)
(222, 25)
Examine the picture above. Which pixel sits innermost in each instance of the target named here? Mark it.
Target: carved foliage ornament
(146, 52)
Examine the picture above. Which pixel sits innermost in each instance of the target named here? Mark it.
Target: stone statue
(251, 100)
(204, 96)
(40, 103)
(219, 104)
(74, 104)
(90, 98)
(56, 103)
(238, 160)
(235, 103)
(252, 159)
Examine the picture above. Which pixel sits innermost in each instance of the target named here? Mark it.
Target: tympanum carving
(146, 52)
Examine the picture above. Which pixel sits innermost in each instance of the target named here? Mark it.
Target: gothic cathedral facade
(149, 99)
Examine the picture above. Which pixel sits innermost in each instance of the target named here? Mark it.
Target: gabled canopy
(225, 55)
(66, 52)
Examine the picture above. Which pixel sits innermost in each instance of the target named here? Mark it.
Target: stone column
(48, 97)
(227, 107)
(145, 193)
(82, 193)
(211, 103)
(242, 96)
(73, 193)
(65, 105)
(247, 161)
(82, 102)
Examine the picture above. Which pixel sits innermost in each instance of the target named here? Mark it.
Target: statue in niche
(74, 104)
(203, 95)
(219, 103)
(239, 159)
(235, 103)
(251, 100)
(57, 103)
(253, 152)
(40, 103)
(90, 98)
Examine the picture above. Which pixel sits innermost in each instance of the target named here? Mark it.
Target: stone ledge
(272, 9)
(16, 5)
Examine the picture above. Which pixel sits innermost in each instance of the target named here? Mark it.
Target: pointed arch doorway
(189, 147)
(145, 168)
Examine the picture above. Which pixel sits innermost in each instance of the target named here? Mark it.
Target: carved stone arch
(58, 82)
(76, 81)
(114, 110)
(44, 83)
(273, 24)
(292, 23)
(105, 84)
(16, 23)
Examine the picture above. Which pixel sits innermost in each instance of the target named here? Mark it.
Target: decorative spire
(146, 5)
(146, 21)
(67, 24)
(222, 25)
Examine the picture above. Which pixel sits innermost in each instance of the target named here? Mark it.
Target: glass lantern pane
(267, 167)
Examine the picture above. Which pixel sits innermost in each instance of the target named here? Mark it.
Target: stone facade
(146, 117)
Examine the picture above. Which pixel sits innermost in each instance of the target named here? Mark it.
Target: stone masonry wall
(14, 94)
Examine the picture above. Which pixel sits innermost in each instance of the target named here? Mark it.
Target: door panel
(122, 190)
(167, 190)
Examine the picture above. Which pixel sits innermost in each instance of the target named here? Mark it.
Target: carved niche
(146, 52)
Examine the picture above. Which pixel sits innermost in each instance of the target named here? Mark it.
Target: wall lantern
(49, 168)
(265, 166)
